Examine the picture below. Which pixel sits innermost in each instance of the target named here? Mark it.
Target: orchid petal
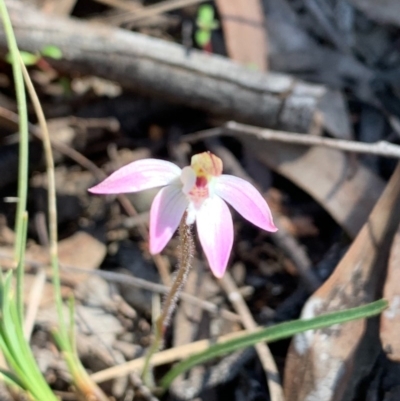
(246, 199)
(165, 215)
(215, 230)
(137, 176)
(188, 179)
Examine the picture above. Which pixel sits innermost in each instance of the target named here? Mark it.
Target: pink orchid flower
(199, 190)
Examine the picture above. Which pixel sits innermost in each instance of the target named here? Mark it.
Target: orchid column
(194, 194)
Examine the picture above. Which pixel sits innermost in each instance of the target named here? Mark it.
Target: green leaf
(15, 348)
(27, 58)
(52, 51)
(11, 380)
(205, 14)
(274, 333)
(202, 37)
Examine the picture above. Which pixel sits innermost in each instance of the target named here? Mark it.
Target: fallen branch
(166, 70)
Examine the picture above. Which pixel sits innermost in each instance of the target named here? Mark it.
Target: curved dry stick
(381, 148)
(266, 358)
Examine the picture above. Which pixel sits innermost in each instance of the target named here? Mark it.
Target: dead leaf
(328, 364)
(7, 236)
(299, 226)
(386, 11)
(244, 31)
(335, 114)
(347, 192)
(47, 294)
(79, 250)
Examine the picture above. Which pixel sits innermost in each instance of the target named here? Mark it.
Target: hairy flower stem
(186, 247)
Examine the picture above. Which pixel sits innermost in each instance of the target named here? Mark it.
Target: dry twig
(122, 4)
(147, 12)
(139, 283)
(381, 148)
(267, 360)
(162, 357)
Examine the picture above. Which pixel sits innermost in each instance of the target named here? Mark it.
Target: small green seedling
(206, 23)
(29, 59)
(52, 51)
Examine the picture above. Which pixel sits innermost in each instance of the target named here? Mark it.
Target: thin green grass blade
(11, 360)
(71, 326)
(52, 206)
(81, 379)
(9, 338)
(10, 378)
(274, 333)
(12, 381)
(21, 267)
(15, 341)
(23, 128)
(15, 347)
(27, 58)
(37, 383)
